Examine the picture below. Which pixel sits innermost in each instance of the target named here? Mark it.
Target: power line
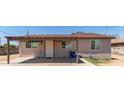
(27, 33)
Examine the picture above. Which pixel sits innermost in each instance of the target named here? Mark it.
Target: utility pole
(27, 33)
(107, 30)
(0, 41)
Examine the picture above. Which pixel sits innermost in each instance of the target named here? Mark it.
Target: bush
(12, 46)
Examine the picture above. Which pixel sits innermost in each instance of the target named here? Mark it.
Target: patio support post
(44, 48)
(8, 51)
(54, 49)
(77, 51)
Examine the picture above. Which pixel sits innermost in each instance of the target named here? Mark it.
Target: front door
(49, 48)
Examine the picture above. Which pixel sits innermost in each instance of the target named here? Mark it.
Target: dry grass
(97, 61)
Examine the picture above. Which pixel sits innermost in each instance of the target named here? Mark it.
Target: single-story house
(117, 46)
(55, 46)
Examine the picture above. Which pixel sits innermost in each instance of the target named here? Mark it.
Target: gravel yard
(117, 60)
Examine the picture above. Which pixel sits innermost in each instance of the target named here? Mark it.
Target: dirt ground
(4, 57)
(117, 60)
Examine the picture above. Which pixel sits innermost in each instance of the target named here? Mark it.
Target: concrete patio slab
(30, 61)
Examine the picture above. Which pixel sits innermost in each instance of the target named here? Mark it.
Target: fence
(117, 50)
(3, 51)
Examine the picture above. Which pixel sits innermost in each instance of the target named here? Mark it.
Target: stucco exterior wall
(39, 52)
(84, 47)
(36, 52)
(63, 52)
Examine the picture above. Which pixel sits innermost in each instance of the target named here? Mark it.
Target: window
(32, 44)
(95, 44)
(63, 44)
(66, 44)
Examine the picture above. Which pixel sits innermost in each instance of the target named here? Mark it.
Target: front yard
(97, 61)
(116, 60)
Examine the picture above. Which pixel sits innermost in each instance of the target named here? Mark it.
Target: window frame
(63, 43)
(67, 44)
(95, 48)
(28, 44)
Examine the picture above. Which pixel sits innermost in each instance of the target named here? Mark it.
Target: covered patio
(43, 38)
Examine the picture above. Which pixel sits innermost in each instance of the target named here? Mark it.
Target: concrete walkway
(16, 60)
(86, 62)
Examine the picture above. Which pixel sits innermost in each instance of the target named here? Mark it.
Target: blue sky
(21, 30)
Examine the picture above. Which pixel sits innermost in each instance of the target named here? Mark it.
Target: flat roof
(63, 36)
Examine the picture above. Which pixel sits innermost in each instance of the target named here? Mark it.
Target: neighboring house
(117, 46)
(54, 46)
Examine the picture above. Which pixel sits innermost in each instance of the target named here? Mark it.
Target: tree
(79, 32)
(1, 46)
(11, 45)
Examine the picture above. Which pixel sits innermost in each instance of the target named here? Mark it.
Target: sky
(22, 30)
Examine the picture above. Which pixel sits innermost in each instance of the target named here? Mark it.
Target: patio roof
(62, 36)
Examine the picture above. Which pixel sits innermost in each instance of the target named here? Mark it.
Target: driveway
(117, 60)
